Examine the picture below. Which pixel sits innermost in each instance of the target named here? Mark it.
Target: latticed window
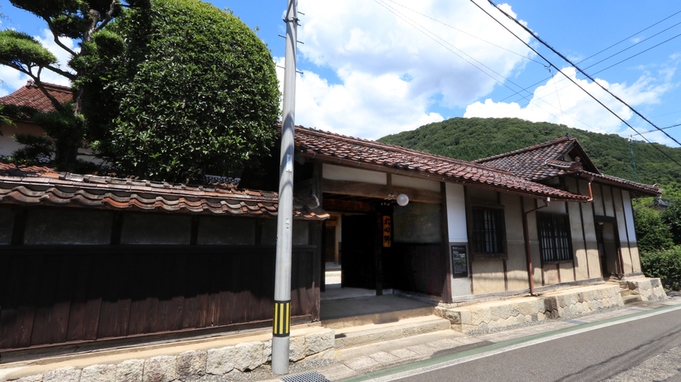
(554, 237)
(488, 233)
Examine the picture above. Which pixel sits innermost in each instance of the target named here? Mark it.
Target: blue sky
(372, 68)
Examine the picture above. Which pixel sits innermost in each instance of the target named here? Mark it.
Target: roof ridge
(525, 149)
(400, 149)
(48, 85)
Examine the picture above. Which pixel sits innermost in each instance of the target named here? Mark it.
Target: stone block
(325, 355)
(67, 374)
(320, 341)
(248, 356)
(296, 350)
(191, 365)
(160, 369)
(267, 350)
(131, 370)
(220, 361)
(98, 373)
(31, 378)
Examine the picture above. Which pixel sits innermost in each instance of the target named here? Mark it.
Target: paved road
(647, 348)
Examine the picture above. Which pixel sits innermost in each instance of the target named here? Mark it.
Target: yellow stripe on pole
(282, 319)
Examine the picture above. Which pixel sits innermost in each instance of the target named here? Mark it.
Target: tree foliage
(193, 92)
(651, 231)
(72, 19)
(665, 264)
(473, 138)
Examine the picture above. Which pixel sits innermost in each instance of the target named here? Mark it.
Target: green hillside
(473, 138)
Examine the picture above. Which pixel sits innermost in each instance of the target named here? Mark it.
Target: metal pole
(281, 331)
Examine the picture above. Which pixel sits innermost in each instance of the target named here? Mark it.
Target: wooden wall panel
(56, 295)
(418, 268)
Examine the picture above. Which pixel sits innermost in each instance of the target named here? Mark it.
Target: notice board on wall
(459, 259)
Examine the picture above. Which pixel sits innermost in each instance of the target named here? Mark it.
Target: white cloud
(359, 106)
(13, 79)
(393, 62)
(560, 101)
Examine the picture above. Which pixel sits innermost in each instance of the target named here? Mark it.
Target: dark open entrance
(608, 246)
(358, 266)
(383, 246)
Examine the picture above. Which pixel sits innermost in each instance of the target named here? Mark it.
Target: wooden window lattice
(488, 231)
(554, 237)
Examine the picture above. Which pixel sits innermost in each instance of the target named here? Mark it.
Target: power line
(573, 81)
(464, 32)
(451, 48)
(583, 73)
(633, 35)
(613, 45)
(433, 36)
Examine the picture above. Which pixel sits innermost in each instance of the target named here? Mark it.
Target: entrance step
(628, 297)
(343, 313)
(375, 333)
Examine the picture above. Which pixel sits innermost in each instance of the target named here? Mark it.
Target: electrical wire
(583, 73)
(611, 46)
(444, 43)
(464, 32)
(573, 81)
(452, 49)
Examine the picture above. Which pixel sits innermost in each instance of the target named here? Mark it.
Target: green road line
(499, 345)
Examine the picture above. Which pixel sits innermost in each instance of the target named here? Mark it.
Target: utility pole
(281, 331)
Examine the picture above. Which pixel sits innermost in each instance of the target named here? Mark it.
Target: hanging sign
(387, 231)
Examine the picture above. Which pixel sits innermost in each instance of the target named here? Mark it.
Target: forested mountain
(473, 138)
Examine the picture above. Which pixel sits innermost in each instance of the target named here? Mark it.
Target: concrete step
(380, 332)
(628, 297)
(377, 318)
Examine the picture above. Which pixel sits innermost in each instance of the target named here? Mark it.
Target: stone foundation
(491, 316)
(243, 361)
(649, 289)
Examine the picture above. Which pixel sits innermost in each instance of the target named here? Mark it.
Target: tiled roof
(531, 162)
(549, 159)
(42, 186)
(30, 95)
(371, 155)
(645, 189)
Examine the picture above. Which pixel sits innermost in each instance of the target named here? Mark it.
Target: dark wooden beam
(346, 205)
(378, 191)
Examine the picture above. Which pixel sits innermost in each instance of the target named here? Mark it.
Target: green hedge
(665, 264)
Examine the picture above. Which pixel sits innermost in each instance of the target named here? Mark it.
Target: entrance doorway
(358, 266)
(608, 247)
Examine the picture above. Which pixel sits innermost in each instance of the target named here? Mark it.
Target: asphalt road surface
(647, 348)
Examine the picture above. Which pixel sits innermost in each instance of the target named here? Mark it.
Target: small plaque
(459, 260)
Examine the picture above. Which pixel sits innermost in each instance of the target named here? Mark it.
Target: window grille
(488, 234)
(554, 237)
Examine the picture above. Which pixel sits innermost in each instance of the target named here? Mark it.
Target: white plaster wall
(631, 231)
(456, 222)
(456, 213)
(608, 201)
(516, 263)
(578, 244)
(554, 207)
(629, 216)
(421, 184)
(627, 260)
(598, 199)
(353, 174)
(7, 144)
